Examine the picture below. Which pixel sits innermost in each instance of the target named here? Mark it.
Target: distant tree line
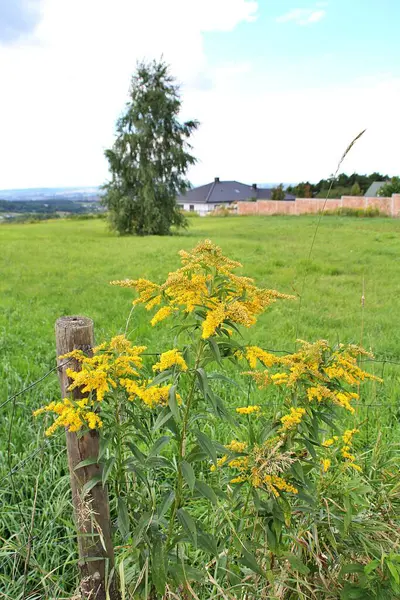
(353, 185)
(47, 207)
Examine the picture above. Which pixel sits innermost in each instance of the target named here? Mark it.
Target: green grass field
(64, 267)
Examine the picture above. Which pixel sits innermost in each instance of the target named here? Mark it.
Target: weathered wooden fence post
(91, 512)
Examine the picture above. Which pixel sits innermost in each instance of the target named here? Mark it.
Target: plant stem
(182, 443)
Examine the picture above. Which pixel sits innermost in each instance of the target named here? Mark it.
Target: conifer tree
(150, 156)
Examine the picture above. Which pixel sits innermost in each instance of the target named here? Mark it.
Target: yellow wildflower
(239, 463)
(253, 353)
(354, 466)
(93, 420)
(346, 454)
(213, 320)
(261, 378)
(330, 442)
(236, 446)
(248, 410)
(221, 461)
(170, 359)
(347, 436)
(291, 420)
(319, 393)
(161, 314)
(70, 415)
(277, 484)
(238, 479)
(279, 378)
(326, 463)
(344, 399)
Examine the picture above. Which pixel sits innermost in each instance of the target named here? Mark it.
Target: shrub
(345, 211)
(218, 493)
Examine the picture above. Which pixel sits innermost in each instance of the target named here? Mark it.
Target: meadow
(347, 291)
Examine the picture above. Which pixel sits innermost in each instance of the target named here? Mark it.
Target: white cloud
(304, 16)
(64, 89)
(297, 134)
(62, 93)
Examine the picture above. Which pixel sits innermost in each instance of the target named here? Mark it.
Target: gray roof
(372, 191)
(219, 192)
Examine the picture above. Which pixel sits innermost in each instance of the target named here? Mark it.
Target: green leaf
(123, 517)
(172, 403)
(371, 566)
(207, 445)
(223, 377)
(215, 350)
(159, 445)
(188, 474)
(166, 503)
(394, 572)
(159, 462)
(206, 491)
(143, 524)
(180, 576)
(203, 382)
(207, 542)
(160, 378)
(90, 484)
(188, 525)
(107, 469)
(297, 564)
(138, 454)
(249, 561)
(86, 463)
(158, 574)
(162, 418)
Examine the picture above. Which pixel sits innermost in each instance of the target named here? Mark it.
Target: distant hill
(83, 194)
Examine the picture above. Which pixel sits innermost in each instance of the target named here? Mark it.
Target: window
(191, 207)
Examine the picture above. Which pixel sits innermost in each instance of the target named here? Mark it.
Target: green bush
(346, 211)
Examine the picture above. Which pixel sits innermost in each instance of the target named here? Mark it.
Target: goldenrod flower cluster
(263, 467)
(205, 281)
(345, 450)
(277, 484)
(151, 395)
(326, 463)
(72, 415)
(112, 365)
(171, 358)
(235, 446)
(248, 410)
(291, 420)
(322, 373)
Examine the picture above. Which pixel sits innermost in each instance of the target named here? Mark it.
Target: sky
(280, 87)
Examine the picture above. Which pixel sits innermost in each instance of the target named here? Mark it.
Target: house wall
(300, 206)
(201, 209)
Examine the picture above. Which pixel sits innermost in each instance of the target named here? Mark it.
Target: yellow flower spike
(213, 320)
(326, 463)
(279, 378)
(330, 442)
(248, 410)
(239, 479)
(254, 353)
(170, 359)
(162, 314)
(236, 446)
(347, 436)
(221, 461)
(291, 420)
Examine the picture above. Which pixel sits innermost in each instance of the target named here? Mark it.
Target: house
(372, 191)
(206, 198)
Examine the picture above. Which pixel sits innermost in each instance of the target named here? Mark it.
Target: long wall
(301, 206)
